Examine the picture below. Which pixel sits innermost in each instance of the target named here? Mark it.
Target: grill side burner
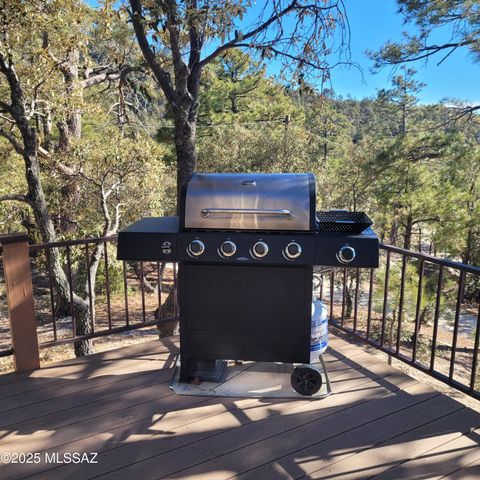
(246, 246)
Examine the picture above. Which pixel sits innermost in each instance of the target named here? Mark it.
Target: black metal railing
(420, 309)
(117, 298)
(134, 308)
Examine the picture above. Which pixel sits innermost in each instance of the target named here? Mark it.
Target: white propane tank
(319, 331)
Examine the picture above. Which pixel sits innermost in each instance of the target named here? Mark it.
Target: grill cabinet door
(246, 313)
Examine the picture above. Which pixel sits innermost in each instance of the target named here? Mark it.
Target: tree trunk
(42, 219)
(467, 253)
(70, 128)
(392, 237)
(408, 232)
(70, 74)
(185, 133)
(348, 298)
(148, 287)
(37, 201)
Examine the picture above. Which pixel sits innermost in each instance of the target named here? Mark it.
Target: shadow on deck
(377, 423)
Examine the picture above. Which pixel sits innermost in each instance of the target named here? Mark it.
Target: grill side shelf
(149, 239)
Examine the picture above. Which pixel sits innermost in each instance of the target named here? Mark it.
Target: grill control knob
(228, 248)
(346, 254)
(196, 248)
(260, 249)
(292, 250)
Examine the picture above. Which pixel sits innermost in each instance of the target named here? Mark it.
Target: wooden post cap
(15, 237)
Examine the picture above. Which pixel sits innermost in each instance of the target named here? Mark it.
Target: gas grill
(246, 246)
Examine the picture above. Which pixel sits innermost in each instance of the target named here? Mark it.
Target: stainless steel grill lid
(261, 201)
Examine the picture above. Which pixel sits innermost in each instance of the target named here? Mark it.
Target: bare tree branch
(252, 33)
(13, 141)
(15, 197)
(108, 76)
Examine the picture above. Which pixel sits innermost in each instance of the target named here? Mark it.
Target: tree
(44, 71)
(460, 18)
(330, 131)
(459, 232)
(236, 90)
(173, 37)
(402, 97)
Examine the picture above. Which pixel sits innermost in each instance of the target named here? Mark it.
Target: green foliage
(460, 17)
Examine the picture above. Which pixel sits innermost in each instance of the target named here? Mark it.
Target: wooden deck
(378, 423)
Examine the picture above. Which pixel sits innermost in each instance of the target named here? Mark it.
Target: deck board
(378, 423)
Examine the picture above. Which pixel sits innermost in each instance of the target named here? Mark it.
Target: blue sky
(374, 22)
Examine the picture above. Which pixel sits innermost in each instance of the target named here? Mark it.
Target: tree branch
(13, 141)
(5, 107)
(160, 74)
(15, 198)
(420, 54)
(196, 42)
(109, 76)
(241, 38)
(425, 220)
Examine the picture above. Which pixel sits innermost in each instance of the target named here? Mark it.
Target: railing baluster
(385, 298)
(370, 296)
(355, 306)
(344, 292)
(320, 296)
(70, 285)
(475, 353)
(52, 298)
(435, 318)
(400, 306)
(461, 288)
(107, 285)
(332, 285)
(417, 311)
(142, 288)
(125, 290)
(89, 286)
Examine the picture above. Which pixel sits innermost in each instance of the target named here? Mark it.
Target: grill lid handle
(287, 214)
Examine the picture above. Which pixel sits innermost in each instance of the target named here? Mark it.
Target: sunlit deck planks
(378, 423)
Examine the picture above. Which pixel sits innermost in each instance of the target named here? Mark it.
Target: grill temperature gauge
(196, 248)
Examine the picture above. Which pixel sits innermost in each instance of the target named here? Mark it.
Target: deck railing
(417, 308)
(422, 310)
(117, 297)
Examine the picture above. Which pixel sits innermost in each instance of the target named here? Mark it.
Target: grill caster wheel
(306, 380)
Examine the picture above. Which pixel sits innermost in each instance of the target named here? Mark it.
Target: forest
(105, 110)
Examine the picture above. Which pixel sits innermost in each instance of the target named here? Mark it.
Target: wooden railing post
(21, 312)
